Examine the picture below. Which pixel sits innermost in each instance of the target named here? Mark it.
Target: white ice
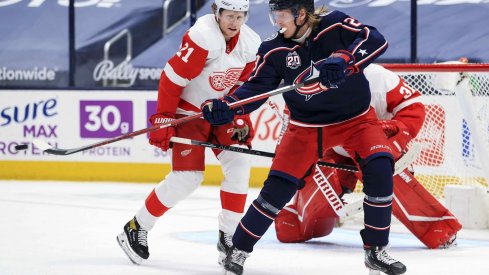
(71, 228)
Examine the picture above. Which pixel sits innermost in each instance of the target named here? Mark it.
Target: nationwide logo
(219, 81)
(65, 3)
(32, 74)
(312, 89)
(106, 71)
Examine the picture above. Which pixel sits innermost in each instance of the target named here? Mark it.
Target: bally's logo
(313, 89)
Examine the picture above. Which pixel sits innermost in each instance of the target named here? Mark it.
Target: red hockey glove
(398, 135)
(243, 130)
(336, 68)
(161, 138)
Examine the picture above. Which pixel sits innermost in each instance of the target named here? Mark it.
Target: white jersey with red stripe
(206, 66)
(392, 98)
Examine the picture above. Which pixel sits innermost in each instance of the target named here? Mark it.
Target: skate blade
(221, 258)
(124, 244)
(227, 272)
(374, 272)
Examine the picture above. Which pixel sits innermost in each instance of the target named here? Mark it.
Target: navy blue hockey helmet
(291, 4)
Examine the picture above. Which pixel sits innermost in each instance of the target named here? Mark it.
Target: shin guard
(260, 215)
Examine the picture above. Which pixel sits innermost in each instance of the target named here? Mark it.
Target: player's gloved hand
(217, 111)
(161, 138)
(398, 135)
(243, 130)
(336, 68)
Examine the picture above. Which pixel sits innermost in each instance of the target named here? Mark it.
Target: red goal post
(455, 136)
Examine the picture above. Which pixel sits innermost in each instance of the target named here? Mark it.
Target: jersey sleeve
(405, 104)
(185, 65)
(364, 42)
(264, 78)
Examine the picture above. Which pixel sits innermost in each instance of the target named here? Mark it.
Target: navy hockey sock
(377, 205)
(260, 215)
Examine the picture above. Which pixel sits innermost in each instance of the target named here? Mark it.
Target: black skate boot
(134, 241)
(377, 260)
(234, 261)
(223, 246)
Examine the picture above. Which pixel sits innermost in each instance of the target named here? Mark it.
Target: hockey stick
(400, 165)
(49, 149)
(345, 167)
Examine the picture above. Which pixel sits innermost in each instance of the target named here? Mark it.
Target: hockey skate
(134, 242)
(224, 244)
(234, 261)
(377, 260)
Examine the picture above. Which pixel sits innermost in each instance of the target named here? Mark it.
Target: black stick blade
(21, 147)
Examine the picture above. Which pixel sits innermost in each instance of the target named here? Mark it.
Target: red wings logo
(221, 80)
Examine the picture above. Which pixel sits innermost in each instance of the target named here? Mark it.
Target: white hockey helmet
(233, 5)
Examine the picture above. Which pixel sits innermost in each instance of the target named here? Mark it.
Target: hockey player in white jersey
(216, 55)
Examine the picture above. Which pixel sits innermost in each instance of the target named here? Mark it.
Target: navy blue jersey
(283, 59)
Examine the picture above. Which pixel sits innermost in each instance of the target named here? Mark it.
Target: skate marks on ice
(341, 240)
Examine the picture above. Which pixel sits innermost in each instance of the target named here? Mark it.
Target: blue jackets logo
(313, 89)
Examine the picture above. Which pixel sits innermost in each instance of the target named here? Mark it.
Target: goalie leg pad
(287, 226)
(275, 193)
(421, 213)
(312, 214)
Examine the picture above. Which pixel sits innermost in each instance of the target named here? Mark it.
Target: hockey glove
(398, 135)
(217, 112)
(161, 138)
(336, 68)
(243, 130)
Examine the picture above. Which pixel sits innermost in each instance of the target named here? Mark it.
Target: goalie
(317, 207)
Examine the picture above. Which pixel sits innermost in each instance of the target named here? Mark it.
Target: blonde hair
(315, 18)
(214, 8)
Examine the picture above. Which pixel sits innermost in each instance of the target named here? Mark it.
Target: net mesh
(455, 135)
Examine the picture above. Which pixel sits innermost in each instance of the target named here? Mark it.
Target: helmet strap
(298, 27)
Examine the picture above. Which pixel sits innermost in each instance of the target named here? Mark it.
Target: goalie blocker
(313, 213)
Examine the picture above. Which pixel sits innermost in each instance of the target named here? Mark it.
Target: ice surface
(71, 228)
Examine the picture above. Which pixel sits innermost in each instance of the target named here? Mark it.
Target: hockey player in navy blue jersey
(334, 112)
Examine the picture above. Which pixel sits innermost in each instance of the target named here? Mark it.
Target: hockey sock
(275, 193)
(377, 205)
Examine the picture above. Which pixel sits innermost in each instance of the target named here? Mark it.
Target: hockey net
(455, 135)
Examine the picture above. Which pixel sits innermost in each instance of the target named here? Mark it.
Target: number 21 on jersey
(185, 52)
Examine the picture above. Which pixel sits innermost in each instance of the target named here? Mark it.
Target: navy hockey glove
(336, 68)
(217, 112)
